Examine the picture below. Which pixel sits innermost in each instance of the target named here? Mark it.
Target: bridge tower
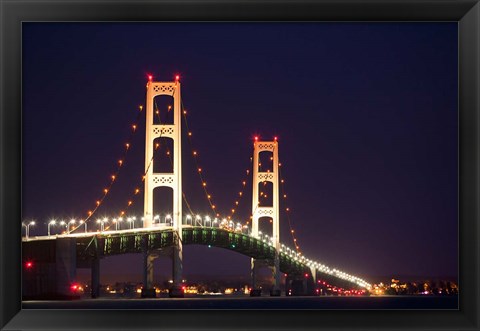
(266, 211)
(172, 180)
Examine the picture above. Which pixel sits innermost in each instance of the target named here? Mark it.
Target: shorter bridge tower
(172, 180)
(266, 211)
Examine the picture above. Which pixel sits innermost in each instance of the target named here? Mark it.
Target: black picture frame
(466, 13)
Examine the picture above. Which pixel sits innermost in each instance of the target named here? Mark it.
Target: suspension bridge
(82, 245)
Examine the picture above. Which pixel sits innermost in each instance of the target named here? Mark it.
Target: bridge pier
(253, 273)
(275, 269)
(148, 291)
(177, 266)
(310, 283)
(95, 278)
(296, 285)
(300, 285)
(276, 276)
(314, 280)
(95, 267)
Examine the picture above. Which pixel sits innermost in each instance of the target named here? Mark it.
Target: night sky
(365, 113)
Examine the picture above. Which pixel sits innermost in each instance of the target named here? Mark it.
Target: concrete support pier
(148, 291)
(275, 292)
(176, 291)
(254, 292)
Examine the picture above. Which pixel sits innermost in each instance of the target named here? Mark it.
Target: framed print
(192, 165)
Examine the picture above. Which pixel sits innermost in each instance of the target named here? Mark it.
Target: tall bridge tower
(266, 211)
(172, 180)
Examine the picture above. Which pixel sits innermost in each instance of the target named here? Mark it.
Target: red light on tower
(275, 138)
(177, 77)
(150, 77)
(306, 275)
(256, 138)
(28, 265)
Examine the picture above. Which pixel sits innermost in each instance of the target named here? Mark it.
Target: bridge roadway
(97, 245)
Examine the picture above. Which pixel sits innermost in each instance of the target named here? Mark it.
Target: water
(245, 302)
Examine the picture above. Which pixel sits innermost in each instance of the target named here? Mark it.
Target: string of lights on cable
(114, 176)
(287, 209)
(200, 170)
(238, 198)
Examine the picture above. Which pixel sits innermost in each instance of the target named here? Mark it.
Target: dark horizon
(366, 115)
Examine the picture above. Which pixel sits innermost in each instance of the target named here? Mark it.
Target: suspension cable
(113, 177)
(199, 169)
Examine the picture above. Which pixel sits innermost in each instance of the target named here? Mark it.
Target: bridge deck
(107, 243)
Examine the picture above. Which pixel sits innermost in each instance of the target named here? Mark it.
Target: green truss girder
(122, 243)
